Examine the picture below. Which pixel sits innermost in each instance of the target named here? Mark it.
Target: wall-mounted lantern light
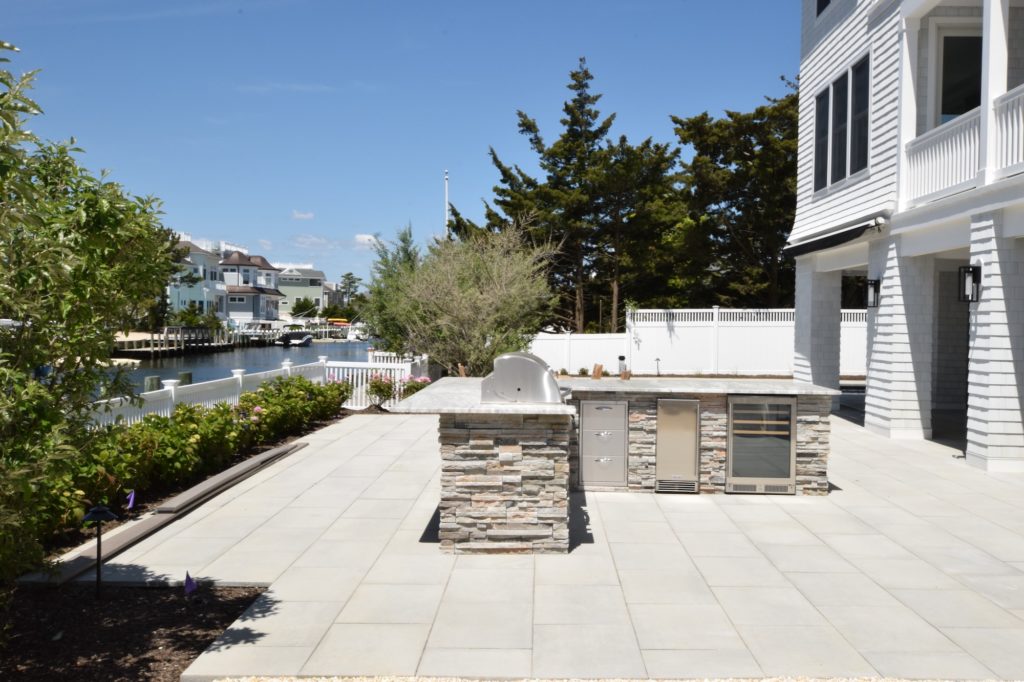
(970, 283)
(874, 291)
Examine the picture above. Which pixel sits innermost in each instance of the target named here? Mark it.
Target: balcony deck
(946, 159)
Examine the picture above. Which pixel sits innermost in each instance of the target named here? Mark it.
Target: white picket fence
(713, 341)
(209, 393)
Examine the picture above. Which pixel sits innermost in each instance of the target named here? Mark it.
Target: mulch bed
(131, 633)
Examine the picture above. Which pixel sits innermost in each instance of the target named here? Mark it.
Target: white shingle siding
(864, 195)
(994, 416)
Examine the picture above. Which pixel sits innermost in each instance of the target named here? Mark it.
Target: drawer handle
(603, 408)
(602, 459)
(603, 434)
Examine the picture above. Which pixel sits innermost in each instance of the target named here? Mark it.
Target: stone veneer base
(812, 441)
(504, 483)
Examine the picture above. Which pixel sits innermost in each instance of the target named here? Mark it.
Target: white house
(251, 287)
(204, 289)
(911, 155)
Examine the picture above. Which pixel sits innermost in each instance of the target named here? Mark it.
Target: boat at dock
(295, 338)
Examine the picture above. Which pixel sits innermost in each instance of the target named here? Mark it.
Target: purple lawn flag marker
(131, 499)
(190, 584)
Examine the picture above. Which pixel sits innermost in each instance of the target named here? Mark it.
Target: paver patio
(914, 567)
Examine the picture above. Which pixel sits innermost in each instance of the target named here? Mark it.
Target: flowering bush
(380, 389)
(411, 385)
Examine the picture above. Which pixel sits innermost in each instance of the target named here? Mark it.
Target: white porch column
(994, 65)
(818, 318)
(995, 434)
(898, 402)
(908, 100)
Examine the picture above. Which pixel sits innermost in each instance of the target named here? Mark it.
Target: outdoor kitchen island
(508, 467)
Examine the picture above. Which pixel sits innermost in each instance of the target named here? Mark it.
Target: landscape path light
(98, 515)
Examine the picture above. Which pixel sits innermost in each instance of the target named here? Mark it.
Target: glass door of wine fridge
(762, 445)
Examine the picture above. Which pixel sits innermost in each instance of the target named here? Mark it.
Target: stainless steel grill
(520, 378)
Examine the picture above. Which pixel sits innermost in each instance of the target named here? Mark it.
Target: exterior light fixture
(98, 515)
(970, 283)
(874, 292)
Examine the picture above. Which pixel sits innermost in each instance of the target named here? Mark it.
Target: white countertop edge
(462, 396)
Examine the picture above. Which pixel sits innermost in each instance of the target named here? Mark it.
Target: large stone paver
(912, 567)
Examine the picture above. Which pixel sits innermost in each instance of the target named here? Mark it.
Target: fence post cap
(286, 363)
(237, 372)
(170, 383)
(322, 358)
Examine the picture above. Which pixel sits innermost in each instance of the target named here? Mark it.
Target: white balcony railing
(1010, 132)
(945, 159)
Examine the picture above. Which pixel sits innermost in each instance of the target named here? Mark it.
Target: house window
(822, 4)
(245, 275)
(859, 117)
(841, 117)
(840, 111)
(960, 84)
(236, 299)
(821, 141)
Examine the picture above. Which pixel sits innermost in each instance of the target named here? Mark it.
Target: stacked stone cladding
(504, 483)
(812, 446)
(813, 431)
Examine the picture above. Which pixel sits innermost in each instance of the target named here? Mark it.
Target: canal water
(210, 366)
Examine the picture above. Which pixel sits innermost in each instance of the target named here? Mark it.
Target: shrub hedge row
(160, 453)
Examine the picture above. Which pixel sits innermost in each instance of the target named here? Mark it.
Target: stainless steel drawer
(603, 469)
(601, 414)
(603, 443)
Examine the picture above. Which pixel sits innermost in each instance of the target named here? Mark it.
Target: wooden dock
(174, 341)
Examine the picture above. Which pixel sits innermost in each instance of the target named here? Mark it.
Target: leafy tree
(561, 208)
(396, 262)
(611, 206)
(80, 260)
(348, 287)
(638, 203)
(192, 316)
(741, 188)
(470, 300)
(304, 307)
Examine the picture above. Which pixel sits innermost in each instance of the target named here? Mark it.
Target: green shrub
(380, 389)
(413, 385)
(155, 454)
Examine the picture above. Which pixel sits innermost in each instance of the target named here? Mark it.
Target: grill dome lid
(520, 378)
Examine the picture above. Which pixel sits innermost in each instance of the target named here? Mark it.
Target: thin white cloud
(302, 215)
(316, 243)
(269, 88)
(265, 244)
(364, 242)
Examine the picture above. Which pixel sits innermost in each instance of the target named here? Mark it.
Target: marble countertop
(453, 395)
(691, 385)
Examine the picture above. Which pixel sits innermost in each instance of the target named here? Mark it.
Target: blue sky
(298, 127)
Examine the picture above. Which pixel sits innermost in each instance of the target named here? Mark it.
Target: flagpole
(447, 231)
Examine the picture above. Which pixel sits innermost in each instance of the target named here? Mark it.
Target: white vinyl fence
(209, 393)
(713, 341)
